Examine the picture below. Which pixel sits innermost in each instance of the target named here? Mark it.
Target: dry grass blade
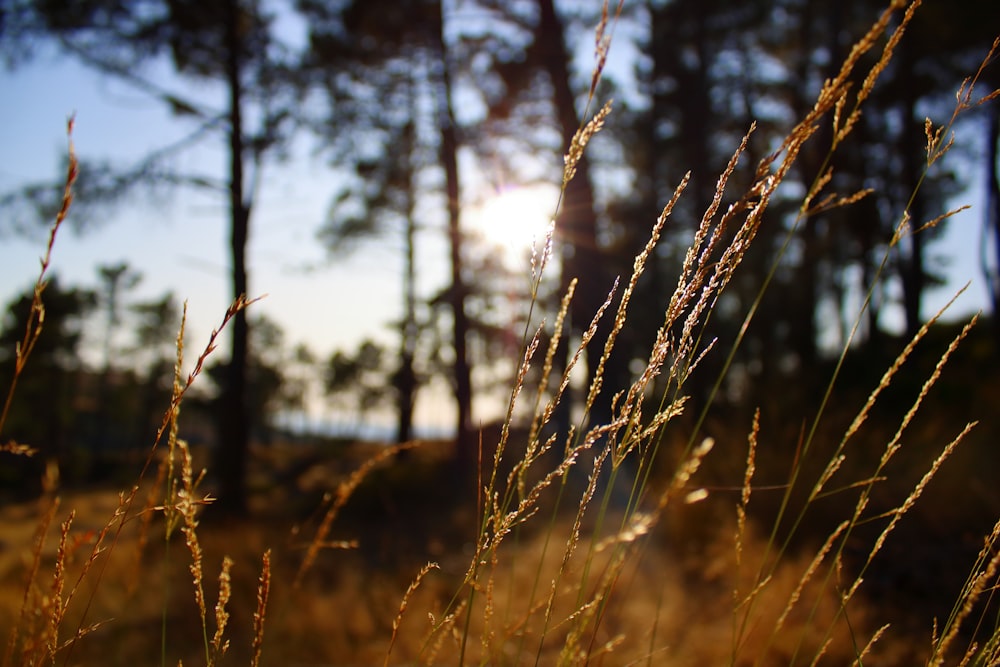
(344, 491)
(982, 576)
(411, 589)
(25, 610)
(263, 591)
(808, 575)
(57, 603)
(439, 631)
(741, 507)
(542, 417)
(602, 44)
(580, 141)
(836, 87)
(36, 316)
(219, 644)
(941, 139)
(124, 510)
(187, 508)
(910, 501)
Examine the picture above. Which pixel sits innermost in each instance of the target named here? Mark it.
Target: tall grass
(561, 571)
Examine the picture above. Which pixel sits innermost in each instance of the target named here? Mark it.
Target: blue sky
(178, 239)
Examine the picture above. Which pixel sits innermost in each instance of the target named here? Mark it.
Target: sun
(516, 218)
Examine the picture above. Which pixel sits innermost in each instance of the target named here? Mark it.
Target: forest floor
(676, 599)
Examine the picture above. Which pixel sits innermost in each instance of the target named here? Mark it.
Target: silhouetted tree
(991, 220)
(380, 199)
(378, 46)
(712, 68)
(265, 378)
(537, 88)
(156, 325)
(361, 375)
(44, 413)
(115, 280)
(232, 43)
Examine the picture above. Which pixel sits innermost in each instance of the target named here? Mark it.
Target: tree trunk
(914, 275)
(231, 462)
(992, 221)
(406, 377)
(449, 162)
(808, 287)
(577, 223)
(680, 29)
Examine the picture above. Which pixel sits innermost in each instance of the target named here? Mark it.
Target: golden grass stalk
(810, 571)
(534, 448)
(344, 491)
(703, 278)
(745, 492)
(979, 582)
(631, 404)
(25, 611)
(17, 448)
(580, 141)
(187, 508)
(936, 148)
(941, 139)
(602, 44)
(838, 456)
(36, 314)
(498, 517)
(572, 542)
(521, 466)
(56, 603)
(540, 416)
(880, 27)
(410, 590)
(123, 512)
(165, 471)
(892, 447)
(219, 644)
(263, 590)
(439, 631)
(488, 639)
(707, 270)
(845, 530)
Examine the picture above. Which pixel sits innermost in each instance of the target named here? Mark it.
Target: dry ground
(673, 605)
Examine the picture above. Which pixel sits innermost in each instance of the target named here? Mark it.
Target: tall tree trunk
(679, 30)
(114, 279)
(805, 299)
(406, 377)
(460, 319)
(233, 448)
(914, 274)
(992, 220)
(577, 221)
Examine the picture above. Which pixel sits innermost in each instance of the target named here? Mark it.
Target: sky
(177, 240)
